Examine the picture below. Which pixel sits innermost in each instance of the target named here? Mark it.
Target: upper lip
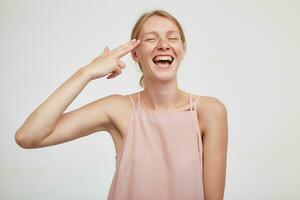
(164, 55)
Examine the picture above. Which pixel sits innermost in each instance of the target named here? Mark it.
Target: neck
(163, 96)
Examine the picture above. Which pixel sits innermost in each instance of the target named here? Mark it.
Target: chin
(164, 74)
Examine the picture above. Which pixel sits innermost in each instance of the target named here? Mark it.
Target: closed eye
(150, 39)
(173, 39)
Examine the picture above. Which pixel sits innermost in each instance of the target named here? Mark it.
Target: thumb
(106, 50)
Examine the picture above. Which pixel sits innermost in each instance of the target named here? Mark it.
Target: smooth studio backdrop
(245, 53)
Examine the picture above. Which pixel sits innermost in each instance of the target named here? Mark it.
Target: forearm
(42, 121)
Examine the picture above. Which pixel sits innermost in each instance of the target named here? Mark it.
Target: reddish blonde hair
(140, 22)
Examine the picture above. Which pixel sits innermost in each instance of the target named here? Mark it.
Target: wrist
(83, 73)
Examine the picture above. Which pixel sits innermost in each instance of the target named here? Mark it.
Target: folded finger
(121, 64)
(114, 74)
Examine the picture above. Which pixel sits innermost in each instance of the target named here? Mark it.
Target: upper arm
(215, 139)
(90, 118)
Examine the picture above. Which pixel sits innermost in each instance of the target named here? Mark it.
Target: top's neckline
(165, 111)
(183, 109)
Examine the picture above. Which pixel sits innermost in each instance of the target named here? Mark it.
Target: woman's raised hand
(109, 61)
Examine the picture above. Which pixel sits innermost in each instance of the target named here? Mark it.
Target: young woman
(169, 143)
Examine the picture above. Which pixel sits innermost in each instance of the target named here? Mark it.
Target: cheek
(146, 47)
(180, 52)
(143, 51)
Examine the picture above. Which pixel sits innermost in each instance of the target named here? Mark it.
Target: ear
(184, 52)
(134, 56)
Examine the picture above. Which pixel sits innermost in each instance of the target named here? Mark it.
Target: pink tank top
(160, 157)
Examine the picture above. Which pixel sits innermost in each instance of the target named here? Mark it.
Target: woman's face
(161, 49)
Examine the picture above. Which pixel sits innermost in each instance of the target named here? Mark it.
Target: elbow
(22, 141)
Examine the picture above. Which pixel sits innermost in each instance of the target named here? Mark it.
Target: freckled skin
(159, 35)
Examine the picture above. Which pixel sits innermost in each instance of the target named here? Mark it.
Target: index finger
(126, 48)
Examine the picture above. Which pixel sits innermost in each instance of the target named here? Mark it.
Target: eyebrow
(154, 32)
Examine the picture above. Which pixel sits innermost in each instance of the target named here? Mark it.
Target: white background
(245, 53)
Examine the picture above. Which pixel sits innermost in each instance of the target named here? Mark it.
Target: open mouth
(163, 60)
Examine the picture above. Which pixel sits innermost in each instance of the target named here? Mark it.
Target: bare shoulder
(118, 110)
(116, 104)
(211, 110)
(119, 104)
(211, 104)
(117, 101)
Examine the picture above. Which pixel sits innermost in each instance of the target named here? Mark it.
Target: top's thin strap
(190, 100)
(195, 102)
(132, 102)
(139, 102)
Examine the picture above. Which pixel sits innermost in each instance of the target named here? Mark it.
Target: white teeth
(158, 58)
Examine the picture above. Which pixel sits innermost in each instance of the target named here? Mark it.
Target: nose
(163, 45)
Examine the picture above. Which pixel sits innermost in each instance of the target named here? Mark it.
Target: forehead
(158, 24)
